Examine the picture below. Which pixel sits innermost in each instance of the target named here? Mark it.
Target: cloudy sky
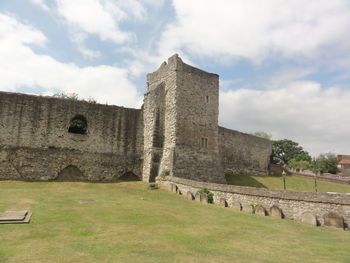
(284, 65)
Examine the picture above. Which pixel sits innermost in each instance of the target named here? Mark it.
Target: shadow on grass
(243, 180)
(70, 181)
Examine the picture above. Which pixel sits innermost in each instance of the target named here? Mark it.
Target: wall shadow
(128, 177)
(243, 180)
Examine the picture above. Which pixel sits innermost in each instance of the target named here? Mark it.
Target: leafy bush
(164, 174)
(208, 193)
(325, 163)
(262, 134)
(73, 96)
(299, 165)
(63, 95)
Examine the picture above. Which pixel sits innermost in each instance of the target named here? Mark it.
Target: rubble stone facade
(322, 209)
(175, 133)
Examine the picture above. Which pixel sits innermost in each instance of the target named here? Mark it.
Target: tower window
(204, 142)
(207, 99)
(78, 125)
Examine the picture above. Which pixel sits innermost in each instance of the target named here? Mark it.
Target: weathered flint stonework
(176, 132)
(311, 208)
(181, 132)
(35, 143)
(243, 153)
(181, 123)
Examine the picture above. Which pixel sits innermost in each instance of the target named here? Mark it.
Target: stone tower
(181, 123)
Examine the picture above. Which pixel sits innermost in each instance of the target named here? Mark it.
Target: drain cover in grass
(15, 217)
(153, 186)
(84, 201)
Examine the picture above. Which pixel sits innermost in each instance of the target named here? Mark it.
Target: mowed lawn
(292, 183)
(129, 223)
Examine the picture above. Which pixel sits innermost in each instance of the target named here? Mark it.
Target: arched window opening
(71, 173)
(78, 125)
(129, 176)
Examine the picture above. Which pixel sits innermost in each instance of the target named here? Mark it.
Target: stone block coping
(341, 199)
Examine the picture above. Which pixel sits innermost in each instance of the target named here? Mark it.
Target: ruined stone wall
(35, 143)
(159, 121)
(186, 99)
(292, 205)
(197, 104)
(243, 153)
(176, 132)
(181, 106)
(154, 114)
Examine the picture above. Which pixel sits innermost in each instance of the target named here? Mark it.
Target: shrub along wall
(312, 208)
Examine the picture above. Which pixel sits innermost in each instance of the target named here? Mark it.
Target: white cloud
(302, 111)
(13, 32)
(21, 66)
(288, 107)
(260, 29)
(92, 17)
(284, 77)
(131, 8)
(41, 3)
(141, 61)
(312, 33)
(105, 18)
(101, 17)
(79, 39)
(88, 53)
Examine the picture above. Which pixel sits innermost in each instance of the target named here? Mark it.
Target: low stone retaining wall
(312, 208)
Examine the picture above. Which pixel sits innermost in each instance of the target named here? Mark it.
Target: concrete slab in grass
(15, 217)
(86, 200)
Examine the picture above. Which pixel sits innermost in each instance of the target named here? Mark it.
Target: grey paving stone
(86, 200)
(13, 215)
(24, 220)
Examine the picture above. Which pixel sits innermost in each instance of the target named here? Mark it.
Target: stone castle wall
(308, 207)
(35, 142)
(181, 110)
(159, 119)
(176, 132)
(197, 104)
(243, 153)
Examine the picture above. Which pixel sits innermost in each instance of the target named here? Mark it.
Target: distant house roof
(341, 157)
(344, 161)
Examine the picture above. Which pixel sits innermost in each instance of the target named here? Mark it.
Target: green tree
(299, 165)
(325, 163)
(286, 150)
(262, 134)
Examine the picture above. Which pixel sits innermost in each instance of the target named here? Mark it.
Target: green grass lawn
(129, 223)
(292, 183)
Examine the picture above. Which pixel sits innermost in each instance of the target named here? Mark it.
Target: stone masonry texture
(326, 209)
(175, 133)
(35, 143)
(174, 139)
